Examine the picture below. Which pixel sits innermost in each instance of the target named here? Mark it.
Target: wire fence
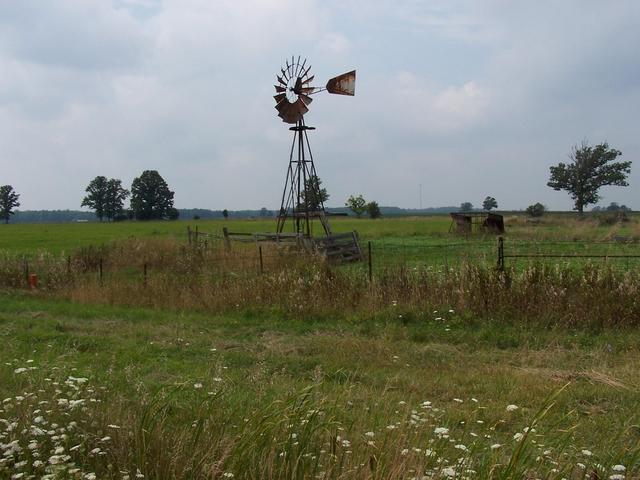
(212, 257)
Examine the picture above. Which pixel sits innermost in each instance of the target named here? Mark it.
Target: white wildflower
(619, 468)
(518, 436)
(512, 408)
(495, 446)
(197, 386)
(370, 434)
(587, 453)
(441, 431)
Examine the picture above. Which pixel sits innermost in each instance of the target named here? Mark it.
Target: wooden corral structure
(476, 222)
(336, 248)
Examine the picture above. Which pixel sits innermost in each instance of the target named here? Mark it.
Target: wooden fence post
(227, 242)
(189, 234)
(261, 263)
(501, 254)
(144, 278)
(100, 270)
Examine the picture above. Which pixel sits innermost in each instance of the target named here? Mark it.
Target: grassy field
(403, 231)
(311, 372)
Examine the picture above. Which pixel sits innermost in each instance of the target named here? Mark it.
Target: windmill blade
(280, 89)
(289, 69)
(307, 90)
(284, 74)
(309, 80)
(303, 64)
(306, 72)
(298, 65)
(281, 80)
(306, 99)
(344, 84)
(300, 107)
(280, 97)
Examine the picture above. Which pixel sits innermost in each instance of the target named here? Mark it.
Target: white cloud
(460, 96)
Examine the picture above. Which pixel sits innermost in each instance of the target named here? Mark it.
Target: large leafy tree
(151, 198)
(8, 201)
(116, 195)
(466, 206)
(106, 197)
(590, 168)
(314, 195)
(357, 205)
(489, 203)
(96, 198)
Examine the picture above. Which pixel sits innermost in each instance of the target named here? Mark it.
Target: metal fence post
(501, 254)
(26, 271)
(370, 261)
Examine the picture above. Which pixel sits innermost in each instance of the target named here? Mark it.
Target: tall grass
(62, 426)
(183, 278)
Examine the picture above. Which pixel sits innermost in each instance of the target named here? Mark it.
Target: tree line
(151, 198)
(590, 168)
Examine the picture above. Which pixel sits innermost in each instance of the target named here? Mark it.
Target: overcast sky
(467, 97)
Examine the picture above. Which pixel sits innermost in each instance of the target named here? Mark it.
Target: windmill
(301, 198)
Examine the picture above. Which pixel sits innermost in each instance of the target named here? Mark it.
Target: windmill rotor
(293, 88)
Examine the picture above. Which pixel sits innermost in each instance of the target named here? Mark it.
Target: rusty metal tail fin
(344, 84)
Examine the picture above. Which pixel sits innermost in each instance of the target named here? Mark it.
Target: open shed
(476, 222)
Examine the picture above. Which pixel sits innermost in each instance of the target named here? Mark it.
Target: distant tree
(151, 198)
(489, 203)
(614, 207)
(97, 196)
(590, 168)
(264, 212)
(8, 201)
(357, 205)
(196, 217)
(536, 210)
(466, 206)
(173, 213)
(373, 209)
(225, 213)
(115, 197)
(314, 195)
